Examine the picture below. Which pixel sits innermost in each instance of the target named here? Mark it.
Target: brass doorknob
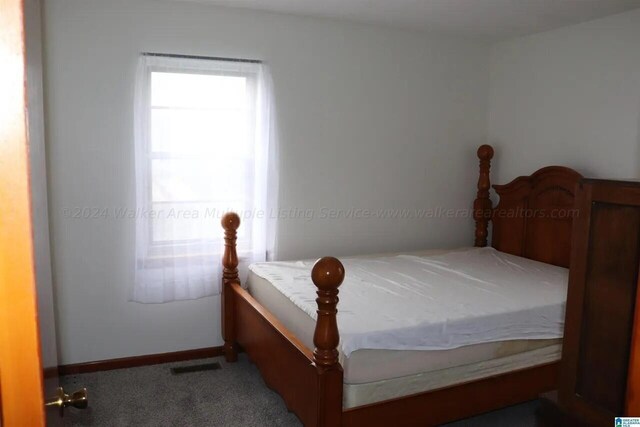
(61, 400)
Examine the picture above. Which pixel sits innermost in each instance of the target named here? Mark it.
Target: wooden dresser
(600, 368)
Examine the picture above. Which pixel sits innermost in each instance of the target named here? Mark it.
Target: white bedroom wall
(369, 118)
(570, 97)
(38, 184)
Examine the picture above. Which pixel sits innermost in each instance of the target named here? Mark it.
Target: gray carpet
(232, 396)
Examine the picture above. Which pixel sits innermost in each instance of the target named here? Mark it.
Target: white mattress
(377, 391)
(367, 366)
(435, 302)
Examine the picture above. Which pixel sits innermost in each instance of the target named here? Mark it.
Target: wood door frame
(20, 366)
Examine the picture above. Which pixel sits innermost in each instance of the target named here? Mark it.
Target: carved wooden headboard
(534, 216)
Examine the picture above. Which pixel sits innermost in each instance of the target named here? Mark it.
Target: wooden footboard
(309, 382)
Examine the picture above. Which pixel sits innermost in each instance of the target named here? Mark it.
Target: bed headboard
(534, 215)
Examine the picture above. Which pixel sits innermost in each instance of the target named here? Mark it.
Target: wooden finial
(230, 223)
(327, 275)
(482, 207)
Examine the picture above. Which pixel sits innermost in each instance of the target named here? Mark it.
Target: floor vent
(195, 368)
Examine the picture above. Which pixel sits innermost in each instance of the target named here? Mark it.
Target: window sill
(242, 256)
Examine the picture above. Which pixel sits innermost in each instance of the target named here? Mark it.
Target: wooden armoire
(600, 368)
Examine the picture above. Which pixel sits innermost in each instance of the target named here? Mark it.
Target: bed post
(230, 223)
(482, 207)
(327, 275)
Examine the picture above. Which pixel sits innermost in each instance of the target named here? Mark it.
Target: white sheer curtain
(205, 143)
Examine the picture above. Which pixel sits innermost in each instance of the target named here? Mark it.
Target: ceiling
(490, 19)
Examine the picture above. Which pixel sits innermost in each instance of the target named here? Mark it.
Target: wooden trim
(21, 382)
(132, 362)
(458, 401)
(52, 372)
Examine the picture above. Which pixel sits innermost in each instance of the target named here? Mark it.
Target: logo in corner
(627, 422)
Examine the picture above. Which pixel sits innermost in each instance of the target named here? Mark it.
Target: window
(201, 134)
(203, 147)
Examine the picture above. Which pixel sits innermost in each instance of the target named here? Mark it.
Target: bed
(427, 337)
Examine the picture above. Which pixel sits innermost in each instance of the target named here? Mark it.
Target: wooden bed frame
(533, 219)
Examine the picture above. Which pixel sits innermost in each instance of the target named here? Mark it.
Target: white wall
(369, 118)
(38, 185)
(570, 97)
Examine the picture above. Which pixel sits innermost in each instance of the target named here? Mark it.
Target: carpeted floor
(232, 396)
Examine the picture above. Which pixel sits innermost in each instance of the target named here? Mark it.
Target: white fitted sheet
(436, 302)
(370, 366)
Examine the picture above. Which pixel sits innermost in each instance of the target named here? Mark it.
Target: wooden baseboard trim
(50, 372)
(131, 362)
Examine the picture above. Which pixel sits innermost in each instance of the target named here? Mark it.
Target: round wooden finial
(327, 273)
(485, 152)
(230, 221)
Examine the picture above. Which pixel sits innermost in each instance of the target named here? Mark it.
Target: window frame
(160, 250)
